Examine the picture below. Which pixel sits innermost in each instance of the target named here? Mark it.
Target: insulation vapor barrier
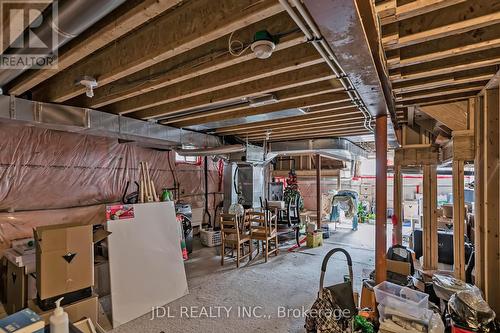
(52, 177)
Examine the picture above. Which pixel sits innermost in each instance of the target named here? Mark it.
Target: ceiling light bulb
(263, 49)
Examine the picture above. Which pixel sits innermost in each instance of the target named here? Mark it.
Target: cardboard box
(85, 308)
(399, 267)
(314, 239)
(64, 259)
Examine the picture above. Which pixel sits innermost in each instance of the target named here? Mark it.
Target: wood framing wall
(487, 221)
(430, 230)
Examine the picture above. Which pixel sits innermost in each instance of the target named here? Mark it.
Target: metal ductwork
(340, 149)
(225, 150)
(73, 17)
(93, 122)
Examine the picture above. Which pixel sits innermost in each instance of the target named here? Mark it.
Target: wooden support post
(339, 181)
(458, 220)
(397, 231)
(430, 234)
(491, 199)
(479, 181)
(381, 199)
(318, 191)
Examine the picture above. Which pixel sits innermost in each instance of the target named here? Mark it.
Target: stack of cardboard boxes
(64, 256)
(65, 268)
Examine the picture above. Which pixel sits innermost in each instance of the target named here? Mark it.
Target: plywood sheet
(145, 261)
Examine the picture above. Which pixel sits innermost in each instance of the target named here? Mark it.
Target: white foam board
(145, 261)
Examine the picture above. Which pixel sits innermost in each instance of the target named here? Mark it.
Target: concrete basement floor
(288, 281)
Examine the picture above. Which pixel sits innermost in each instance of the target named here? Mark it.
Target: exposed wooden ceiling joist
(120, 22)
(474, 86)
(457, 51)
(453, 79)
(284, 63)
(312, 127)
(332, 121)
(296, 99)
(325, 112)
(422, 72)
(444, 54)
(442, 23)
(283, 87)
(204, 59)
(389, 12)
(311, 135)
(201, 21)
(440, 99)
(311, 130)
(452, 115)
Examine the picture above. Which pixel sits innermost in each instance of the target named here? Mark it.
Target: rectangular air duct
(93, 122)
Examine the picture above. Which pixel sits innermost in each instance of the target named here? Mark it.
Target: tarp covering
(49, 177)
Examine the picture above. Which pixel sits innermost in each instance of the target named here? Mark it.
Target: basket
(210, 238)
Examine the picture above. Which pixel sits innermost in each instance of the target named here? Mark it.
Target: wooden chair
(234, 234)
(263, 228)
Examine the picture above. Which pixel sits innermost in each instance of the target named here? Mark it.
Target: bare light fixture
(89, 83)
(263, 44)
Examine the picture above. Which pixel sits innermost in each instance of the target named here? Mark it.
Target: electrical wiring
(191, 63)
(240, 46)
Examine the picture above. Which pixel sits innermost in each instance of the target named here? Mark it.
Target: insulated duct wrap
(50, 177)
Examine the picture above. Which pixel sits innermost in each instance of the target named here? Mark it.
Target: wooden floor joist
(126, 18)
(205, 94)
(340, 120)
(461, 50)
(409, 87)
(444, 31)
(293, 99)
(440, 99)
(204, 59)
(325, 112)
(283, 62)
(353, 125)
(327, 134)
(453, 115)
(469, 87)
(391, 13)
(210, 20)
(444, 69)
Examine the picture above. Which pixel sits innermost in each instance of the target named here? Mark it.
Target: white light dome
(263, 49)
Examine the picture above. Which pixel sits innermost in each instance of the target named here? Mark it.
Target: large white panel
(145, 261)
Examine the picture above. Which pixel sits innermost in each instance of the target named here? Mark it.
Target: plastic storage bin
(404, 299)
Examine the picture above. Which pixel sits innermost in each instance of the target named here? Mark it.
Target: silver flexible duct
(73, 17)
